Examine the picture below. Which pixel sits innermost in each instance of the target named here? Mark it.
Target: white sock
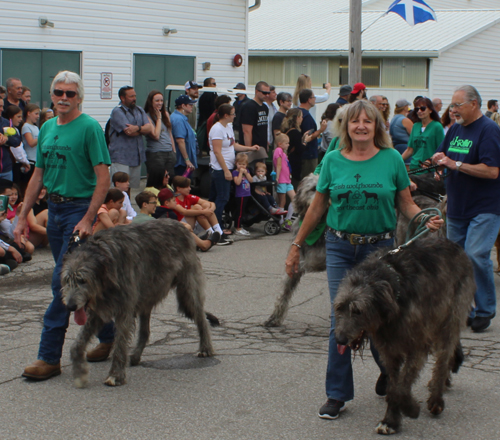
(290, 211)
(217, 228)
(209, 230)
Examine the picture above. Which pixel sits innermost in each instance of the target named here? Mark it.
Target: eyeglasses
(232, 114)
(264, 93)
(69, 93)
(421, 109)
(213, 84)
(151, 203)
(452, 106)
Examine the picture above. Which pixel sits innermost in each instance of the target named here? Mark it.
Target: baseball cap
(191, 84)
(402, 103)
(165, 194)
(184, 99)
(345, 90)
(240, 86)
(357, 88)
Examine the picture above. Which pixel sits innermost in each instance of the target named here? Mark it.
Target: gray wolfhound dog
(123, 273)
(411, 303)
(312, 258)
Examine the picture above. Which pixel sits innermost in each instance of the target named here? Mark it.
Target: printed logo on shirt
(461, 146)
(357, 198)
(55, 155)
(262, 118)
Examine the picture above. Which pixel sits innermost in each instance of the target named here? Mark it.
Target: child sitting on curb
(146, 201)
(263, 196)
(167, 201)
(191, 209)
(110, 213)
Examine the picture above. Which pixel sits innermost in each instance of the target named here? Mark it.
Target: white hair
(471, 94)
(67, 77)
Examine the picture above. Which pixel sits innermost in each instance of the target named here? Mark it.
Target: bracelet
(296, 244)
(186, 159)
(140, 128)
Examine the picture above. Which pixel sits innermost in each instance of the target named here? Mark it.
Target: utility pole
(354, 42)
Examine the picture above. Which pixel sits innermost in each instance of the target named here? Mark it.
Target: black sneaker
(214, 238)
(331, 409)
(205, 236)
(480, 323)
(224, 241)
(381, 386)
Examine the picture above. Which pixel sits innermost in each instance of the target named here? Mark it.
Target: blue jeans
(8, 175)
(220, 189)
(340, 257)
(63, 217)
(477, 236)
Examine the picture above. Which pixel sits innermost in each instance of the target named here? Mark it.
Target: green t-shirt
(68, 154)
(363, 193)
(424, 143)
(142, 218)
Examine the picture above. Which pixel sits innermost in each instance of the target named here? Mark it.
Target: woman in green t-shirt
(426, 135)
(360, 183)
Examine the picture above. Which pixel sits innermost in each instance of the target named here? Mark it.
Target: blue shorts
(283, 188)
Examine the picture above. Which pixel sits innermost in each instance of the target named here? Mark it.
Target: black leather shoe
(480, 324)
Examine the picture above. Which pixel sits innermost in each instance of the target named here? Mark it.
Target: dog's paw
(384, 429)
(135, 360)
(435, 406)
(206, 353)
(112, 381)
(82, 381)
(271, 322)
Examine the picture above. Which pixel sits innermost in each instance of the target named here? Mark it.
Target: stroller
(254, 211)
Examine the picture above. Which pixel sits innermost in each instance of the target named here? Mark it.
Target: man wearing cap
(192, 90)
(358, 92)
(184, 135)
(128, 123)
(241, 98)
(344, 93)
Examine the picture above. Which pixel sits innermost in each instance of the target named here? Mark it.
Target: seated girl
(110, 213)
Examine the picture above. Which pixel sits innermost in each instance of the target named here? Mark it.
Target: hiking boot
(381, 386)
(41, 370)
(331, 409)
(100, 353)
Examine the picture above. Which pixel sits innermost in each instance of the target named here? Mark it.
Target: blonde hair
(290, 120)
(260, 165)
(495, 117)
(282, 137)
(381, 139)
(303, 82)
(241, 158)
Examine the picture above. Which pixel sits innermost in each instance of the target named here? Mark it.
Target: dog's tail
(212, 319)
(458, 358)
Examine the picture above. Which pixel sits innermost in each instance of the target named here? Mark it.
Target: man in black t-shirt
(254, 117)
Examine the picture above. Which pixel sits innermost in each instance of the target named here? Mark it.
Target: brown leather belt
(356, 239)
(56, 198)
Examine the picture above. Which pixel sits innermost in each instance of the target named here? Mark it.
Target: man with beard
(471, 155)
(192, 90)
(128, 123)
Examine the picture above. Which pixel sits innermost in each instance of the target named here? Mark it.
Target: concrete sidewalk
(263, 383)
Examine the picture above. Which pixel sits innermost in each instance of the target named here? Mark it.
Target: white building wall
(109, 32)
(470, 62)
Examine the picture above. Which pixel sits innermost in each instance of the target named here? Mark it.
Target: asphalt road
(262, 384)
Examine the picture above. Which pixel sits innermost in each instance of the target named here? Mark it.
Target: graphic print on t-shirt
(358, 196)
(55, 155)
(461, 146)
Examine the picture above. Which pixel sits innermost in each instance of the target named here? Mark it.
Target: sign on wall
(106, 85)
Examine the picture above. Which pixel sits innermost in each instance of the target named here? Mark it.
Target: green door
(155, 72)
(37, 68)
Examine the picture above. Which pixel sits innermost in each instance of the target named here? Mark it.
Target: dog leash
(425, 215)
(74, 242)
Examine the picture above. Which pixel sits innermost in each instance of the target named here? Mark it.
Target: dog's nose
(71, 307)
(341, 340)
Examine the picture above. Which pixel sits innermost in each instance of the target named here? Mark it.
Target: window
(409, 73)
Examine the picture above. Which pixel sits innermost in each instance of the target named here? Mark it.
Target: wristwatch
(458, 164)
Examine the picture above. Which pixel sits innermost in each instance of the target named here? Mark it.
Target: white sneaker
(242, 232)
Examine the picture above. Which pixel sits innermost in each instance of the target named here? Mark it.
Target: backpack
(107, 129)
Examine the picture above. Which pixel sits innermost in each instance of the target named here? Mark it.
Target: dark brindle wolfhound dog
(124, 272)
(411, 303)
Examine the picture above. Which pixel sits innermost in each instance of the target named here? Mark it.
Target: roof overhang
(344, 53)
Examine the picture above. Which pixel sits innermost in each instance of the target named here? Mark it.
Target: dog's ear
(386, 300)
(355, 308)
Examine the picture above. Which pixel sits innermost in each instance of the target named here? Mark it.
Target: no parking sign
(106, 85)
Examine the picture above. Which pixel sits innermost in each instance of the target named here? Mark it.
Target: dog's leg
(79, 347)
(144, 331)
(124, 324)
(412, 367)
(391, 422)
(440, 374)
(282, 303)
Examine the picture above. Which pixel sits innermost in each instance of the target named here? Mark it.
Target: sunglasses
(421, 109)
(69, 93)
(264, 93)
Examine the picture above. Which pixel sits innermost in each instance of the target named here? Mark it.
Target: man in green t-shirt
(72, 162)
